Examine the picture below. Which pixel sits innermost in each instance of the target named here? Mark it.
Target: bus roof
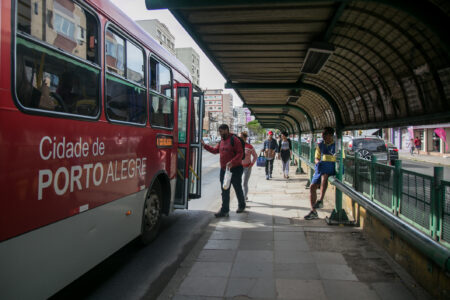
(137, 32)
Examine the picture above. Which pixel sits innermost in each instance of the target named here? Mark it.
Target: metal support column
(338, 215)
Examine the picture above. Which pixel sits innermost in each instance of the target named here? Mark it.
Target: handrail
(435, 251)
(424, 241)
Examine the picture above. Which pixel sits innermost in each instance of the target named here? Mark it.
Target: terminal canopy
(346, 64)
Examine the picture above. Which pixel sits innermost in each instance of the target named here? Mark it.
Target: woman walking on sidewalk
(285, 147)
(248, 162)
(411, 147)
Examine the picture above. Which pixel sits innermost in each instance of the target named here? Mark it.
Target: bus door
(189, 151)
(195, 161)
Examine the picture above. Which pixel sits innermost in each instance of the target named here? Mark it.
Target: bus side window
(46, 77)
(161, 96)
(126, 95)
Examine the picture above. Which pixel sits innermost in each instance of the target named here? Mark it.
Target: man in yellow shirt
(325, 166)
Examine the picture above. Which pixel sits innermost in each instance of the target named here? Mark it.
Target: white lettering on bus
(98, 166)
(124, 169)
(44, 184)
(88, 167)
(82, 176)
(131, 168)
(144, 164)
(75, 178)
(63, 150)
(62, 191)
(110, 172)
(45, 138)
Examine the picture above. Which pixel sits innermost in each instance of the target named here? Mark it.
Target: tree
(256, 128)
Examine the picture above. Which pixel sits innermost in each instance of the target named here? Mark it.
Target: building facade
(160, 32)
(191, 59)
(218, 110)
(240, 119)
(434, 138)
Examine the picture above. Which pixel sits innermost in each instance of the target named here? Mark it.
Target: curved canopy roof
(389, 62)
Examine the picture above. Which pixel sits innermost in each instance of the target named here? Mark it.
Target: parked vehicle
(392, 153)
(366, 147)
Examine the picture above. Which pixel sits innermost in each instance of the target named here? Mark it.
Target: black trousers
(269, 166)
(236, 182)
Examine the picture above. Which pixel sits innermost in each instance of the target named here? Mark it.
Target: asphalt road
(424, 168)
(137, 271)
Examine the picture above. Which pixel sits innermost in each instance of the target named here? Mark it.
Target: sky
(210, 77)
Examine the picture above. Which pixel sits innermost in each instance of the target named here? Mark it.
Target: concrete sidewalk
(434, 159)
(271, 252)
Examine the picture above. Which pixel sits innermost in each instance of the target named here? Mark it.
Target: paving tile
(214, 269)
(282, 220)
(203, 286)
(291, 245)
(288, 228)
(300, 289)
(226, 235)
(221, 244)
(255, 245)
(259, 288)
(258, 227)
(289, 236)
(254, 256)
(217, 255)
(184, 297)
(348, 290)
(335, 271)
(392, 291)
(257, 235)
(296, 271)
(252, 269)
(293, 256)
(329, 258)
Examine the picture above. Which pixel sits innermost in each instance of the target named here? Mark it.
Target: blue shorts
(323, 167)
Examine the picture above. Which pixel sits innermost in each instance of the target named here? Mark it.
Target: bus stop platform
(271, 252)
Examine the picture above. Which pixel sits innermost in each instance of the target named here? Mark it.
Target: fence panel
(415, 199)
(362, 175)
(383, 185)
(306, 150)
(349, 171)
(445, 222)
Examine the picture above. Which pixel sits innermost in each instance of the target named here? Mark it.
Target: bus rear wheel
(151, 221)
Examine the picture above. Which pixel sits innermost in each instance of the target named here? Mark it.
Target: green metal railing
(445, 224)
(420, 200)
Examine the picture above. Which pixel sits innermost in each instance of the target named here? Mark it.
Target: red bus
(99, 137)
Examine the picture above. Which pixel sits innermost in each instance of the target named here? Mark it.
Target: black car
(392, 152)
(366, 147)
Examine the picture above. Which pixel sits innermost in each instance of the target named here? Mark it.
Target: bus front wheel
(151, 220)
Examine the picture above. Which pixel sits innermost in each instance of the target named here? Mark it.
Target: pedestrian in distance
(231, 153)
(285, 147)
(270, 148)
(417, 144)
(247, 162)
(411, 147)
(325, 159)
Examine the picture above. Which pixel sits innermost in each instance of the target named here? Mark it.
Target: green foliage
(256, 128)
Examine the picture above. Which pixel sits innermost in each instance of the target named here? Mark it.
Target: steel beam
(296, 85)
(283, 122)
(289, 106)
(282, 114)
